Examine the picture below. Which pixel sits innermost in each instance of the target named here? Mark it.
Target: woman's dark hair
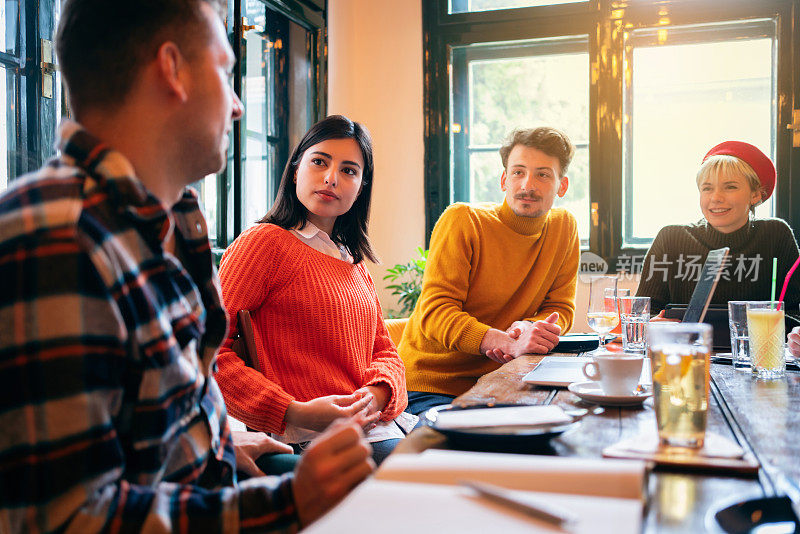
(350, 229)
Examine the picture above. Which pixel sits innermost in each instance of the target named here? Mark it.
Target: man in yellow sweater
(500, 280)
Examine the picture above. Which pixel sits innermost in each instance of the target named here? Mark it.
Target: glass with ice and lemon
(767, 333)
(680, 361)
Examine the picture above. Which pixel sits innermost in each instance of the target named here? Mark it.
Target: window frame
(460, 60)
(605, 24)
(32, 133)
(728, 32)
(311, 15)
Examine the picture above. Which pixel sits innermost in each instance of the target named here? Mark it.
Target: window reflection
(683, 99)
(257, 88)
(532, 83)
(278, 95)
(5, 111)
(9, 14)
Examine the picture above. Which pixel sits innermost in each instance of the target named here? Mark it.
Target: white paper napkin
(493, 417)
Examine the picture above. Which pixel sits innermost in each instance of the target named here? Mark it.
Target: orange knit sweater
(318, 329)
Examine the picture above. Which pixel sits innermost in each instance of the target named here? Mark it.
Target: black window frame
(33, 132)
(312, 16)
(32, 126)
(728, 31)
(604, 21)
(460, 57)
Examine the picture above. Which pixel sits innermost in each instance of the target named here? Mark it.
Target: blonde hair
(724, 165)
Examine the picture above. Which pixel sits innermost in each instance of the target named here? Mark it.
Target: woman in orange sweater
(323, 350)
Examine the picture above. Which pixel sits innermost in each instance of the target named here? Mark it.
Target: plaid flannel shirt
(110, 419)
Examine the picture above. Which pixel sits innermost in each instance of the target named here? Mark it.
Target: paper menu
(495, 417)
(553, 474)
(392, 507)
(419, 493)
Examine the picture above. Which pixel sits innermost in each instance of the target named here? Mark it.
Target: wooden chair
(245, 343)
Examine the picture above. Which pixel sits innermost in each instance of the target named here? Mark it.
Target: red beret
(751, 155)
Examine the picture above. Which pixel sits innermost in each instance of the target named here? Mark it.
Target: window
(280, 78)
(29, 89)
(643, 88)
(9, 99)
(722, 77)
(465, 6)
(497, 88)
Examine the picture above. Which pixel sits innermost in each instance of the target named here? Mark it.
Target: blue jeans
(420, 401)
(380, 449)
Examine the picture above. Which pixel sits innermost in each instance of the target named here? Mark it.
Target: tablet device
(704, 289)
(716, 316)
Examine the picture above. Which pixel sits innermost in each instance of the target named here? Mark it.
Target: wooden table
(763, 417)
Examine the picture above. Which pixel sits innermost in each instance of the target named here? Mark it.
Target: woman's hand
(794, 341)
(318, 413)
(380, 398)
(249, 446)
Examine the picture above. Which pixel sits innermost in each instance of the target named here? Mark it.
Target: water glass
(611, 296)
(680, 355)
(767, 339)
(634, 314)
(740, 341)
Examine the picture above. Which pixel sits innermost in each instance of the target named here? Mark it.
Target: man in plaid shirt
(110, 311)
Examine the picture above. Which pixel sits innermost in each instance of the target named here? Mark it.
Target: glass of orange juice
(765, 326)
(679, 358)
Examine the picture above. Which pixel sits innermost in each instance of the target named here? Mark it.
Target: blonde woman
(733, 179)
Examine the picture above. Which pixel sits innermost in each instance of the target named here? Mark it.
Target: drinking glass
(621, 292)
(767, 339)
(680, 361)
(634, 315)
(603, 314)
(740, 341)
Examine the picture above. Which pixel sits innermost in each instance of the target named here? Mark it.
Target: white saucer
(591, 391)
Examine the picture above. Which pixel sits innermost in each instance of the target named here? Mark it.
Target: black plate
(518, 439)
(766, 514)
(578, 343)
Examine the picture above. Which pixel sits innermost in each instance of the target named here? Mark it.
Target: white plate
(591, 391)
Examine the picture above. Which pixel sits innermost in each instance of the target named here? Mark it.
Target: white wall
(375, 77)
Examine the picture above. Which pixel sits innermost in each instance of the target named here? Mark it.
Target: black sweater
(672, 265)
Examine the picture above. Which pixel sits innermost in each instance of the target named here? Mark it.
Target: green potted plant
(407, 282)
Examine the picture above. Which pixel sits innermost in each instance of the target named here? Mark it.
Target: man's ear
(562, 189)
(172, 67)
(503, 181)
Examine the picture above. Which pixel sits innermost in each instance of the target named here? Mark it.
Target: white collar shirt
(317, 239)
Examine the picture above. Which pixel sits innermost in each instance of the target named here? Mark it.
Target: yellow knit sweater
(487, 268)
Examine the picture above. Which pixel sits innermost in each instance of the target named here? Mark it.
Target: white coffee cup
(618, 373)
